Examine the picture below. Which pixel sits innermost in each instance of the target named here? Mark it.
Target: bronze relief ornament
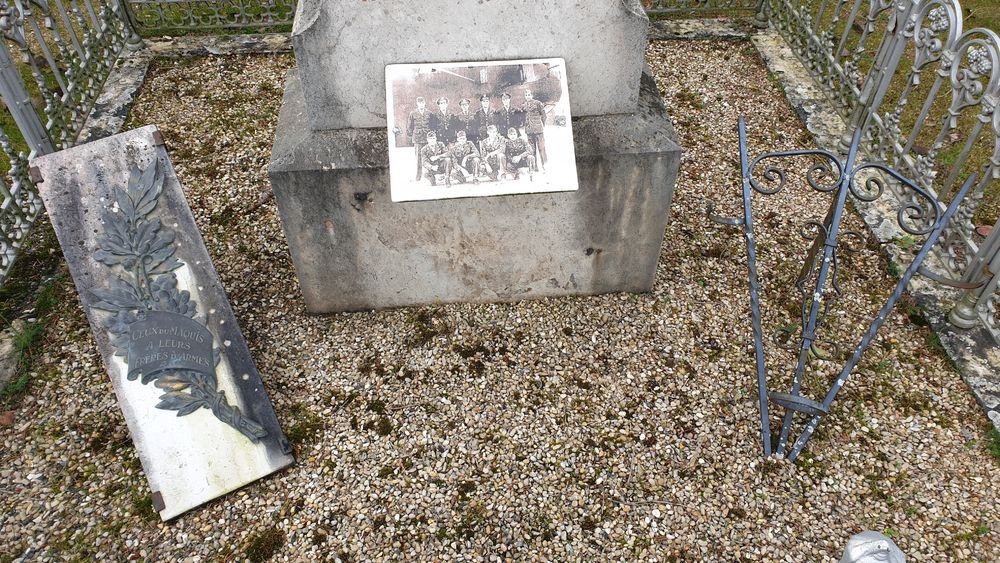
(153, 324)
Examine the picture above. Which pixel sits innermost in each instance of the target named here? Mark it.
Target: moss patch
(263, 546)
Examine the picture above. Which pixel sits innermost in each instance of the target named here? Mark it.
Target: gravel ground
(617, 427)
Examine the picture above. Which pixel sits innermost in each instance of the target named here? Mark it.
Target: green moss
(142, 506)
(11, 552)
(426, 324)
(263, 545)
(383, 427)
(305, 425)
(465, 489)
(894, 269)
(376, 406)
(472, 519)
(912, 311)
(993, 444)
(933, 342)
(470, 349)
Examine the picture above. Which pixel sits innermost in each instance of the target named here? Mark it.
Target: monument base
(354, 249)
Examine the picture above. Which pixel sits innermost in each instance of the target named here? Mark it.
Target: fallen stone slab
(193, 400)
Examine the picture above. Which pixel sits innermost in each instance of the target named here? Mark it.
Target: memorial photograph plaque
(479, 129)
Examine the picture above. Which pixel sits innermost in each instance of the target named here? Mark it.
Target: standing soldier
(443, 123)
(485, 116)
(417, 126)
(507, 116)
(435, 159)
(466, 121)
(492, 151)
(465, 159)
(534, 126)
(519, 153)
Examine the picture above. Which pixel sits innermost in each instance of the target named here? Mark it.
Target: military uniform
(465, 155)
(439, 166)
(494, 161)
(417, 126)
(484, 119)
(445, 126)
(521, 150)
(507, 118)
(466, 121)
(534, 127)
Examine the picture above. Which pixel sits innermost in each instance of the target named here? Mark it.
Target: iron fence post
(876, 84)
(134, 41)
(965, 313)
(19, 104)
(760, 17)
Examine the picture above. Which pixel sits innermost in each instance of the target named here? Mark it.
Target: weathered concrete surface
(354, 249)
(343, 46)
(196, 456)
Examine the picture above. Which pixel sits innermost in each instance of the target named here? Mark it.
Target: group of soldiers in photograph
(467, 146)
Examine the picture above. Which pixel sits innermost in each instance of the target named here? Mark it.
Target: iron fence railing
(54, 58)
(20, 206)
(200, 15)
(925, 92)
(700, 6)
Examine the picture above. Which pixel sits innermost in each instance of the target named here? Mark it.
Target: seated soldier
(491, 149)
(435, 159)
(465, 159)
(519, 153)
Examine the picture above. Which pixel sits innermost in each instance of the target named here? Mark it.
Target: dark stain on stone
(360, 198)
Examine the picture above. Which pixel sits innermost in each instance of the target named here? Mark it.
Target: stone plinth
(343, 46)
(354, 249)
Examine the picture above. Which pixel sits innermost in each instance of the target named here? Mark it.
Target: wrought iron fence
(151, 16)
(700, 6)
(20, 207)
(925, 92)
(54, 58)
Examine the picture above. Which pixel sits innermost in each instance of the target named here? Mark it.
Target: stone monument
(354, 249)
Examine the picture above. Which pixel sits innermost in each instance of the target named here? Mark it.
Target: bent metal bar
(817, 282)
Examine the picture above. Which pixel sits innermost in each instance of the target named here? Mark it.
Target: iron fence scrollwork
(922, 215)
(202, 15)
(924, 92)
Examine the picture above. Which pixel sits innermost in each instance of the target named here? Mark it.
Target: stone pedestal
(354, 249)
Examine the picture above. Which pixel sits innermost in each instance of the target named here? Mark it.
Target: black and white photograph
(479, 129)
